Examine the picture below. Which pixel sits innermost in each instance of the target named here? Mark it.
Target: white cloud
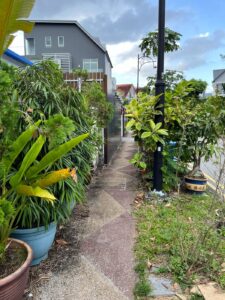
(203, 35)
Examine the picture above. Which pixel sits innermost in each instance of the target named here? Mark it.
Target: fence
(111, 134)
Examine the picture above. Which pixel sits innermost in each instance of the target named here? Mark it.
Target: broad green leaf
(12, 13)
(143, 165)
(27, 190)
(130, 123)
(138, 126)
(17, 147)
(54, 155)
(28, 160)
(146, 134)
(157, 126)
(155, 138)
(152, 124)
(162, 132)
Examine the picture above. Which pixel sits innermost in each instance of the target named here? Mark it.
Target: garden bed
(183, 237)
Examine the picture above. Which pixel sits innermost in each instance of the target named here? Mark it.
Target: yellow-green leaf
(152, 124)
(27, 190)
(146, 134)
(53, 177)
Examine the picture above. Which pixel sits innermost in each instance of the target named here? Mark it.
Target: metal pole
(138, 70)
(160, 90)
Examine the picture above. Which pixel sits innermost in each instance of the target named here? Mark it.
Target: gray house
(68, 44)
(219, 82)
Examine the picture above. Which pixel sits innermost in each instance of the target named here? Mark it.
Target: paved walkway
(105, 271)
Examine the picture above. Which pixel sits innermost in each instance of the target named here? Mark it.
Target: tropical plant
(29, 177)
(171, 78)
(99, 107)
(141, 114)
(137, 161)
(195, 124)
(12, 13)
(149, 44)
(43, 93)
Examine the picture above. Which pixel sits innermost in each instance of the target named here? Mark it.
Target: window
(60, 41)
(30, 46)
(48, 41)
(91, 64)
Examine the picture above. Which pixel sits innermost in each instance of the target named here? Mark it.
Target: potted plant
(15, 257)
(200, 141)
(26, 178)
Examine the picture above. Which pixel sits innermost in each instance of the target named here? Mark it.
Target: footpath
(106, 262)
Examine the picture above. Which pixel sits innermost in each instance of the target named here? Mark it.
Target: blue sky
(121, 24)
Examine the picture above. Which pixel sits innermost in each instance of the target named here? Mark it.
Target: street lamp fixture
(141, 61)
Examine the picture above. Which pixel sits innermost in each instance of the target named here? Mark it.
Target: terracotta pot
(12, 287)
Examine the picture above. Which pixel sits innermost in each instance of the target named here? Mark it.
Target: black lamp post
(160, 90)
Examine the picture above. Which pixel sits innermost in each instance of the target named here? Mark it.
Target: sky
(121, 24)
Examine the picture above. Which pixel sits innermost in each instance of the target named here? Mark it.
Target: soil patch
(64, 254)
(13, 259)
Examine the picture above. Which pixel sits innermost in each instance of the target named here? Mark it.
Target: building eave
(18, 57)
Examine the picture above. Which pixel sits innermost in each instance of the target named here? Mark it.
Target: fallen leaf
(62, 242)
(30, 110)
(176, 286)
(149, 264)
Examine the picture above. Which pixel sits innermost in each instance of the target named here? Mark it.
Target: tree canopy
(149, 44)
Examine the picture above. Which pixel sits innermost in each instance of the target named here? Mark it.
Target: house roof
(124, 88)
(14, 56)
(217, 74)
(73, 22)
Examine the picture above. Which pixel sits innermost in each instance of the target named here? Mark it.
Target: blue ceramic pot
(195, 185)
(40, 239)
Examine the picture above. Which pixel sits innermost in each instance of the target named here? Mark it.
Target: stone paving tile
(83, 283)
(161, 286)
(111, 250)
(102, 210)
(125, 198)
(129, 170)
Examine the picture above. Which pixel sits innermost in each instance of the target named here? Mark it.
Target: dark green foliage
(9, 107)
(99, 107)
(58, 128)
(149, 44)
(43, 94)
